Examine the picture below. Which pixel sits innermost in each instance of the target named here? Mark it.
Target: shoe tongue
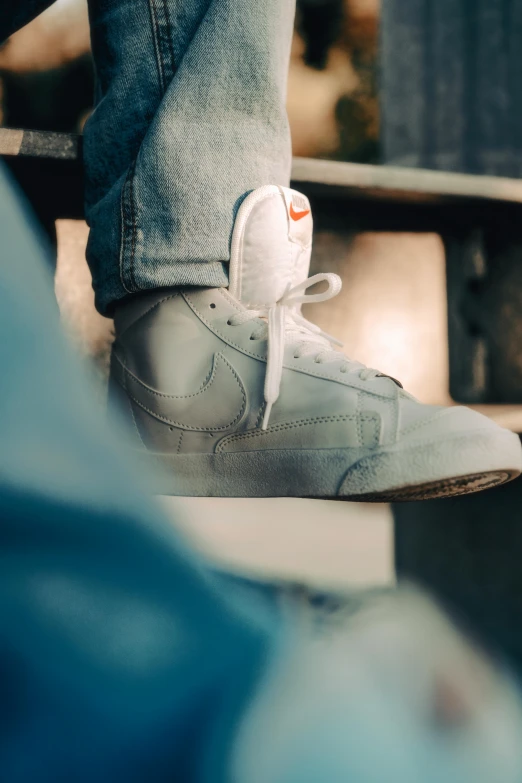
(271, 245)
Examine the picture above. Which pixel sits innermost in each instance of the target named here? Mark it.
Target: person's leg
(190, 117)
(225, 387)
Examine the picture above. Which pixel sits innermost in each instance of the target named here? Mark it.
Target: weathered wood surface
(40, 144)
(356, 179)
(404, 183)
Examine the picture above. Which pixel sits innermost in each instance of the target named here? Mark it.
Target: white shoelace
(283, 324)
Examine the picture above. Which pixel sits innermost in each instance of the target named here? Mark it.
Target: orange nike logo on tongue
(298, 215)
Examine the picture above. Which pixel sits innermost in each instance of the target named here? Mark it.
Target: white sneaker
(238, 395)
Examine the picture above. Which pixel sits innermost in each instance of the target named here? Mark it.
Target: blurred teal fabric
(119, 659)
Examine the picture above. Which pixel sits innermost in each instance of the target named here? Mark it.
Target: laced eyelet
(343, 370)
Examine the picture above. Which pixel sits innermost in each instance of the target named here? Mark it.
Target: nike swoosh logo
(298, 215)
(217, 405)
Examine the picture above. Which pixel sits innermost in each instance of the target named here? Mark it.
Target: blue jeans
(189, 117)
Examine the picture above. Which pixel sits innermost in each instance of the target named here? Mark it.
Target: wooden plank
(365, 181)
(10, 141)
(40, 144)
(357, 180)
(403, 184)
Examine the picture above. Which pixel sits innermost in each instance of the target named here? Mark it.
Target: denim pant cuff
(110, 289)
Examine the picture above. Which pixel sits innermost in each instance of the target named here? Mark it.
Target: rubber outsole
(406, 472)
(459, 485)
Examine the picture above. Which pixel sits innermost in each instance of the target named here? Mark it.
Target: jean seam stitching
(134, 229)
(128, 209)
(170, 39)
(164, 46)
(127, 277)
(157, 44)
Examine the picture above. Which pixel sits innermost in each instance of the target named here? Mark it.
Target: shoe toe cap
(420, 422)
